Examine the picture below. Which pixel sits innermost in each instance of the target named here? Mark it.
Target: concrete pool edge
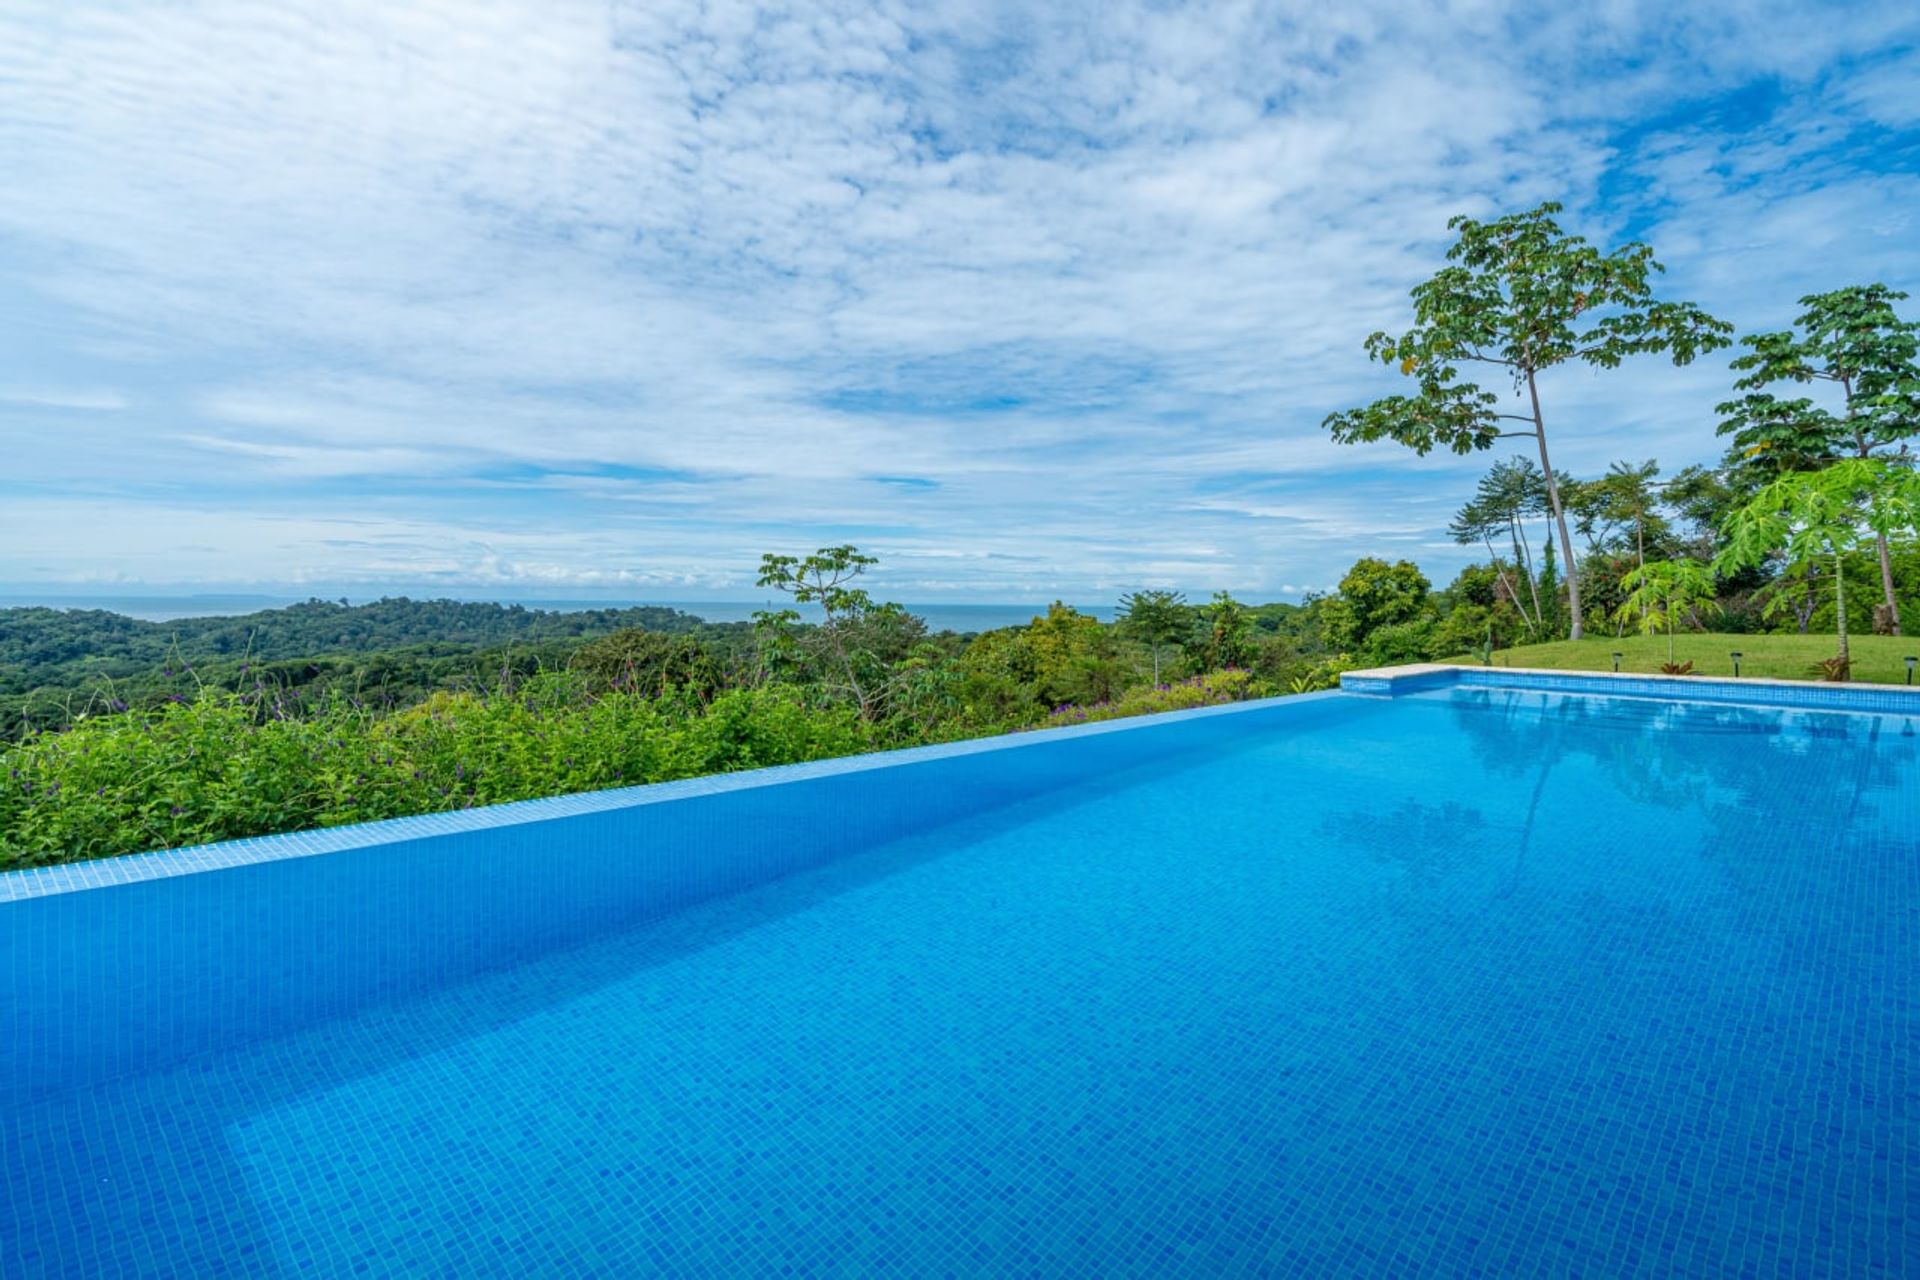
(1756, 691)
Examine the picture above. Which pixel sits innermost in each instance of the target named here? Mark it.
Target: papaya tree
(1818, 519)
(1854, 341)
(1522, 297)
(1659, 592)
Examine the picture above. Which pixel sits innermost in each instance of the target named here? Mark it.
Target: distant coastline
(172, 608)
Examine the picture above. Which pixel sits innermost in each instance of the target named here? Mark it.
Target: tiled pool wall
(127, 964)
(1785, 694)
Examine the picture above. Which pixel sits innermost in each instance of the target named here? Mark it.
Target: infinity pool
(1465, 981)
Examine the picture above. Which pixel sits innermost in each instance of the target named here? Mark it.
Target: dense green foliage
(210, 769)
(57, 664)
(1159, 618)
(279, 744)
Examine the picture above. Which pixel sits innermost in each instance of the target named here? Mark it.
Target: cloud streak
(1026, 299)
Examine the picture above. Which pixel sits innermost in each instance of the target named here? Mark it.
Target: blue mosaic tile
(1871, 698)
(1473, 980)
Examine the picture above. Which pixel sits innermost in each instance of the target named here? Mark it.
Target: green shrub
(210, 769)
(1232, 685)
(1402, 642)
(654, 662)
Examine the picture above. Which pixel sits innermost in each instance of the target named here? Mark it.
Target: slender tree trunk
(1640, 552)
(1523, 556)
(1500, 572)
(1886, 561)
(1886, 581)
(860, 695)
(1559, 515)
(1865, 450)
(1840, 606)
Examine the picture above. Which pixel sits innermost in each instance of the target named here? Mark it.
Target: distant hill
(37, 638)
(54, 660)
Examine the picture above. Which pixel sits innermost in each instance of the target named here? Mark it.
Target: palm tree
(1627, 498)
(1506, 497)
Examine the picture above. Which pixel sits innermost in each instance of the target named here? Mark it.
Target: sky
(549, 299)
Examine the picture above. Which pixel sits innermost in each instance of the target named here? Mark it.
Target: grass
(1782, 657)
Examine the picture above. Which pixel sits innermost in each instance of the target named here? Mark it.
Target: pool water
(1473, 981)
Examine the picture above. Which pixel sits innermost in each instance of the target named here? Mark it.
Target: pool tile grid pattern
(35, 882)
(1379, 998)
(162, 962)
(1868, 698)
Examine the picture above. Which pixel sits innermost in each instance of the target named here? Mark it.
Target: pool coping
(25, 883)
(1757, 691)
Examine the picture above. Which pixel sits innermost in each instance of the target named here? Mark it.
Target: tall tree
(1524, 297)
(1622, 504)
(1703, 497)
(1506, 497)
(1853, 340)
(858, 640)
(1226, 635)
(1374, 594)
(1160, 618)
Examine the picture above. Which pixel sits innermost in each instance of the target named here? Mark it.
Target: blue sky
(549, 299)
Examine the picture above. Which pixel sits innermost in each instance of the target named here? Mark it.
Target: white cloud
(540, 289)
(92, 400)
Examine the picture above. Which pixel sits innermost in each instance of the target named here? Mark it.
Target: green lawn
(1790, 657)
